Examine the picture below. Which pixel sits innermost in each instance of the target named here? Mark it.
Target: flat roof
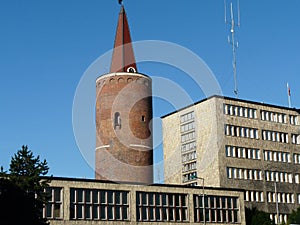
(233, 99)
(132, 183)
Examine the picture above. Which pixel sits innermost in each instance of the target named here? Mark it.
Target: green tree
(294, 217)
(24, 189)
(257, 217)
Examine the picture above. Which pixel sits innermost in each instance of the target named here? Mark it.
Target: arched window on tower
(117, 120)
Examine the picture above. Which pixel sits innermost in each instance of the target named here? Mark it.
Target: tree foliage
(257, 217)
(22, 194)
(294, 217)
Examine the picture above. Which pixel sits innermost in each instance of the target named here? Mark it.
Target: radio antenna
(231, 38)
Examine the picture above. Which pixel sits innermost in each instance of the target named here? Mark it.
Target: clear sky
(47, 45)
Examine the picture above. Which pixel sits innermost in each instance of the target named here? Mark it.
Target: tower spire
(123, 59)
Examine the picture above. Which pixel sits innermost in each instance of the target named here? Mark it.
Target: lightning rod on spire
(231, 39)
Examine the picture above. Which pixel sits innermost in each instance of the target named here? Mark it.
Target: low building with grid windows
(237, 143)
(87, 202)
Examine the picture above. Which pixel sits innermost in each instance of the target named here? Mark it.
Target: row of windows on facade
(246, 132)
(91, 204)
(282, 218)
(187, 127)
(258, 196)
(189, 176)
(187, 117)
(240, 111)
(189, 166)
(189, 156)
(270, 135)
(269, 155)
(264, 114)
(237, 131)
(216, 209)
(188, 146)
(242, 152)
(188, 136)
(256, 174)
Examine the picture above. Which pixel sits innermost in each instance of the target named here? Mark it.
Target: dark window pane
(157, 200)
(87, 196)
(219, 216)
(224, 214)
(125, 213)
(177, 200)
(110, 213)
(151, 199)
(79, 195)
(125, 198)
(151, 213)
(234, 202)
(158, 214)
(183, 200)
(223, 202)
(57, 210)
(95, 212)
(164, 214)
(49, 210)
(177, 214)
(235, 216)
(72, 212)
(72, 195)
(230, 216)
(88, 209)
(118, 213)
(206, 201)
(207, 215)
(171, 214)
(118, 198)
(102, 212)
(102, 197)
(79, 211)
(171, 197)
(218, 202)
(57, 192)
(229, 204)
(212, 202)
(164, 199)
(213, 215)
(95, 196)
(184, 214)
(144, 199)
(110, 199)
(144, 213)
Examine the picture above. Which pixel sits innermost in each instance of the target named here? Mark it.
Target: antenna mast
(231, 39)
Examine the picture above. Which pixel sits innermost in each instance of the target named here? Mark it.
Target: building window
(117, 120)
(187, 127)
(254, 196)
(53, 208)
(166, 207)
(189, 166)
(273, 116)
(188, 146)
(281, 197)
(242, 152)
(237, 131)
(90, 204)
(294, 120)
(296, 158)
(189, 156)
(240, 111)
(277, 156)
(275, 136)
(277, 176)
(216, 209)
(243, 173)
(189, 177)
(296, 139)
(187, 117)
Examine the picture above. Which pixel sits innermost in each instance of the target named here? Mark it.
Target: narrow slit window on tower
(117, 120)
(143, 119)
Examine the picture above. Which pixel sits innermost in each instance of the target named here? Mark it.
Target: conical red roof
(123, 59)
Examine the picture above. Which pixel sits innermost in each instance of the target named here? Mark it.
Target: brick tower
(124, 116)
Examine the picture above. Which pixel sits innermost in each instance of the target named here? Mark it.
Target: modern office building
(89, 202)
(236, 143)
(123, 115)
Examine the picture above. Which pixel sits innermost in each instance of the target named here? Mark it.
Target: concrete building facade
(88, 202)
(237, 143)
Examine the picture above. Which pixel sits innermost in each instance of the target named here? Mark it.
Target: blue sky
(46, 46)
